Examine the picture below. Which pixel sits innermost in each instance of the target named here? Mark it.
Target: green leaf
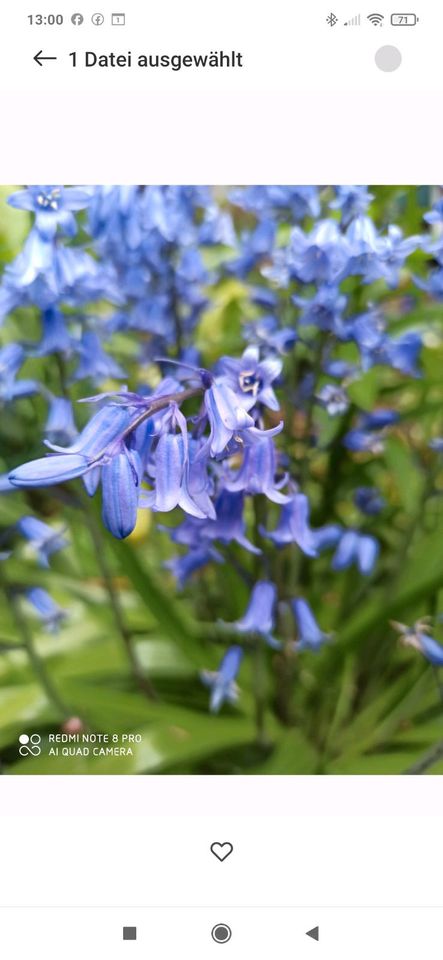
(161, 605)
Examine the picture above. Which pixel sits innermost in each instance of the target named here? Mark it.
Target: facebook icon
(77, 19)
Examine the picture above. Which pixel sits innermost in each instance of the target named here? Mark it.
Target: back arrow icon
(39, 58)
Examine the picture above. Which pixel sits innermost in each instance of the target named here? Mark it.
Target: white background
(360, 856)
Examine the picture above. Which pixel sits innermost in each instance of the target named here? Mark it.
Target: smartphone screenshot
(221, 480)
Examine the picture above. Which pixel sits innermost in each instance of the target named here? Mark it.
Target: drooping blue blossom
(293, 527)
(369, 434)
(375, 257)
(172, 470)
(376, 347)
(310, 636)
(60, 426)
(298, 202)
(46, 274)
(184, 566)
(53, 207)
(369, 500)
(257, 473)
(418, 636)
(325, 310)
(256, 248)
(49, 612)
(334, 399)
(319, 257)
(12, 358)
(260, 614)
(45, 540)
(94, 362)
(222, 683)
(55, 336)
(266, 332)
(356, 548)
(351, 201)
(228, 419)
(228, 527)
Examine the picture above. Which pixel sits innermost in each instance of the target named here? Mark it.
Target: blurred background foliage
(364, 705)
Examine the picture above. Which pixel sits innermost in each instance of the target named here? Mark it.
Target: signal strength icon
(376, 19)
(354, 21)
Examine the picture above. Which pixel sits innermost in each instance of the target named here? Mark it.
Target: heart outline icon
(222, 850)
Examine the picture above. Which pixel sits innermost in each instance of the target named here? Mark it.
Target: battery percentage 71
(404, 19)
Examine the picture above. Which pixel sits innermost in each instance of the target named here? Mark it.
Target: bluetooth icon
(332, 19)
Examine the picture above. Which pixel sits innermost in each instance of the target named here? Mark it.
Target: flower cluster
(228, 444)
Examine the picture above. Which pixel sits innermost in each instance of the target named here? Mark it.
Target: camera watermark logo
(30, 745)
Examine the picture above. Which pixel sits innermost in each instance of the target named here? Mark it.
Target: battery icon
(404, 19)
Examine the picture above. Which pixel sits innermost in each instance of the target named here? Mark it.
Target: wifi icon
(376, 19)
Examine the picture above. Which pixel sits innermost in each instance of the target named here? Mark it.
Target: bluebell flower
(229, 525)
(433, 284)
(403, 353)
(260, 614)
(251, 379)
(297, 201)
(324, 310)
(53, 207)
(320, 257)
(60, 426)
(333, 398)
(47, 609)
(171, 469)
(310, 636)
(351, 201)
(45, 274)
(97, 443)
(184, 566)
(266, 332)
(256, 246)
(11, 359)
(369, 500)
(257, 472)
(222, 683)
(293, 526)
(44, 539)
(225, 417)
(436, 214)
(375, 257)
(228, 419)
(120, 479)
(359, 548)
(368, 436)
(94, 362)
(55, 335)
(418, 637)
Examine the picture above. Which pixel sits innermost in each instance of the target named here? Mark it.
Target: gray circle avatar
(388, 59)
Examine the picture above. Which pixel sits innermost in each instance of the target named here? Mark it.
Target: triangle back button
(314, 934)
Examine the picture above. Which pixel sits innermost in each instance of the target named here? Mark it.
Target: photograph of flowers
(221, 479)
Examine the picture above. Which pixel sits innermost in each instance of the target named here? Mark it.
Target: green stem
(259, 688)
(143, 682)
(27, 643)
